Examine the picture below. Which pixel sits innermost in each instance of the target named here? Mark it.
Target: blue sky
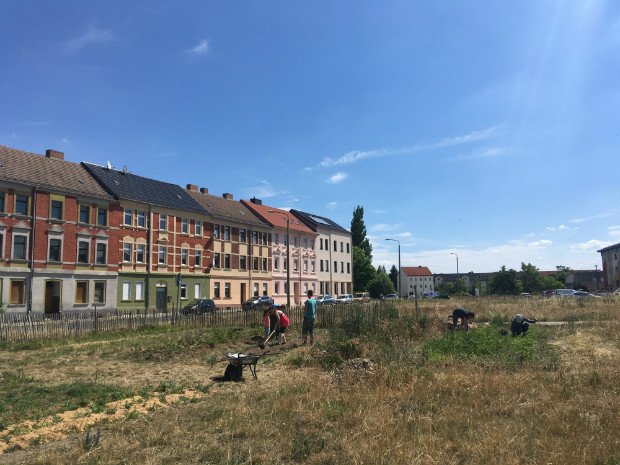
(488, 129)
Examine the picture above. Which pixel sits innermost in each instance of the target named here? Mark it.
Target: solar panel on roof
(319, 220)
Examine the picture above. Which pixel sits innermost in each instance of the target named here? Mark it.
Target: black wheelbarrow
(236, 363)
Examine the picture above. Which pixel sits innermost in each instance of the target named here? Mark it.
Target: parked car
(325, 300)
(584, 294)
(443, 296)
(391, 297)
(257, 302)
(200, 306)
(344, 299)
(547, 293)
(430, 295)
(362, 297)
(563, 292)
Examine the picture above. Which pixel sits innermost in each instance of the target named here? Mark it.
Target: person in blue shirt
(307, 327)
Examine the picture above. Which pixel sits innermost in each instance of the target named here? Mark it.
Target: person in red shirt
(283, 323)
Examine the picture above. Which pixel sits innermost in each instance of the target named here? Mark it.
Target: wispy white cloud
(380, 212)
(491, 152)
(592, 244)
(541, 243)
(93, 35)
(201, 49)
(560, 228)
(336, 178)
(593, 217)
(385, 227)
(355, 156)
(264, 190)
(332, 205)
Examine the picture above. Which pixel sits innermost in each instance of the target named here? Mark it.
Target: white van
(563, 292)
(430, 294)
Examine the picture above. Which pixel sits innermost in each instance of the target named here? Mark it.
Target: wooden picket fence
(21, 327)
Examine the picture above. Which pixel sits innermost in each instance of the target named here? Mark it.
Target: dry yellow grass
(408, 411)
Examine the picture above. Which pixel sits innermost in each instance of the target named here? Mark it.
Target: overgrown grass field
(430, 396)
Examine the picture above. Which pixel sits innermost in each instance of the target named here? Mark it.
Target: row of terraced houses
(79, 236)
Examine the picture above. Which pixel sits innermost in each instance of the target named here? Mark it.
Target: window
(264, 289)
(2, 201)
(348, 248)
(276, 239)
(83, 254)
(295, 265)
(242, 262)
(227, 290)
(312, 244)
(141, 219)
(18, 294)
(140, 253)
(216, 290)
(184, 226)
(255, 289)
(264, 238)
(128, 216)
(21, 204)
(81, 292)
(342, 267)
(55, 247)
(276, 263)
(1, 255)
(276, 288)
(19, 247)
(162, 222)
(198, 228)
(321, 266)
(227, 261)
(327, 269)
(321, 245)
(84, 214)
(216, 231)
(139, 290)
(126, 290)
(100, 258)
(305, 288)
(285, 264)
(305, 266)
(226, 233)
(255, 237)
(184, 257)
(335, 246)
(162, 255)
(197, 257)
(264, 264)
(197, 293)
(255, 263)
(127, 252)
(102, 216)
(295, 241)
(242, 238)
(56, 210)
(305, 243)
(183, 290)
(312, 267)
(348, 268)
(335, 266)
(99, 296)
(216, 260)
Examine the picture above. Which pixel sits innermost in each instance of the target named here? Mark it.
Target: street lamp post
(398, 280)
(457, 265)
(596, 276)
(288, 259)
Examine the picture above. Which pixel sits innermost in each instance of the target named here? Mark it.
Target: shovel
(262, 344)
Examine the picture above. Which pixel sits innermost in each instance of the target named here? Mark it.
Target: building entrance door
(242, 293)
(52, 297)
(161, 298)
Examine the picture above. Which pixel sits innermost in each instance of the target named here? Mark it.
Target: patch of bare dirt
(353, 371)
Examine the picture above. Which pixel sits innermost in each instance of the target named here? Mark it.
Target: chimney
(204, 190)
(256, 201)
(49, 153)
(228, 196)
(192, 187)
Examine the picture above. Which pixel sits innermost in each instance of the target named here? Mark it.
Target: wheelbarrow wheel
(233, 372)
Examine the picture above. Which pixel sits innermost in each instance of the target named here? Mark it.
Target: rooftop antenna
(125, 169)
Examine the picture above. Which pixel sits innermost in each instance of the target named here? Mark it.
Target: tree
(504, 282)
(563, 271)
(381, 269)
(394, 276)
(531, 279)
(381, 285)
(363, 271)
(358, 233)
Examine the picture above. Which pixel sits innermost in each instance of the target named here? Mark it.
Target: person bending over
(465, 315)
(520, 325)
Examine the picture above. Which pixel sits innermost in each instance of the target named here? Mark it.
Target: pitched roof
(416, 271)
(276, 216)
(228, 209)
(55, 174)
(129, 186)
(316, 221)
